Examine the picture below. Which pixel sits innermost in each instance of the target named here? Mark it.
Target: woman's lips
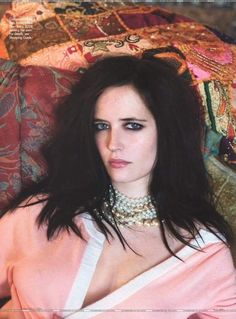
(118, 163)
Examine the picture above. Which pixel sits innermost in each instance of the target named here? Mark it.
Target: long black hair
(76, 179)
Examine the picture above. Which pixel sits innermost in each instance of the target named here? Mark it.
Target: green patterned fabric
(224, 184)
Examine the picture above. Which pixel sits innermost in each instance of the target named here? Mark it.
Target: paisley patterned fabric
(10, 118)
(44, 44)
(28, 98)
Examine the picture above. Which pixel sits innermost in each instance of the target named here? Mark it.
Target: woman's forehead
(121, 100)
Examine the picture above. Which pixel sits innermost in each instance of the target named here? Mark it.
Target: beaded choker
(131, 211)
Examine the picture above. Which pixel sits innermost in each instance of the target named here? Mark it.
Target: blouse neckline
(87, 268)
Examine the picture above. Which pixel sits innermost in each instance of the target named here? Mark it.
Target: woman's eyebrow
(99, 120)
(123, 119)
(133, 119)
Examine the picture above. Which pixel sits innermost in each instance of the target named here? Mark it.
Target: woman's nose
(114, 142)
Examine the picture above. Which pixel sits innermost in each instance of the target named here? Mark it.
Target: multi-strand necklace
(131, 211)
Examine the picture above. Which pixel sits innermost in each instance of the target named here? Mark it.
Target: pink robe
(50, 279)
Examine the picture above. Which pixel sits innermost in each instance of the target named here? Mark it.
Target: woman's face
(126, 137)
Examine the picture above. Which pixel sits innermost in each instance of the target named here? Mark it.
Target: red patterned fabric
(10, 175)
(28, 98)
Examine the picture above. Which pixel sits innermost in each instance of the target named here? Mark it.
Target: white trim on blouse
(87, 267)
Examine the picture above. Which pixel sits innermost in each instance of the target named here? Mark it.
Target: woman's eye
(100, 126)
(134, 126)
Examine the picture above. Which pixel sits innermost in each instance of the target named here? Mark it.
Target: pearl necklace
(131, 211)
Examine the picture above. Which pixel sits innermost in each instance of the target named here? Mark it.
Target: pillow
(28, 97)
(73, 35)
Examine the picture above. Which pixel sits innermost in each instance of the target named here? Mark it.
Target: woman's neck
(131, 190)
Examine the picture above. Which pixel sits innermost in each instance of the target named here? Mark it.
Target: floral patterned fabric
(40, 62)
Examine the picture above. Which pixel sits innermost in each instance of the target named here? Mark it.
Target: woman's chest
(88, 271)
(118, 266)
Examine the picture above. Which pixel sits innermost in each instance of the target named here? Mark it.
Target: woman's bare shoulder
(26, 212)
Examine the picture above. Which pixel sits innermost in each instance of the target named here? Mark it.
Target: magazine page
(71, 181)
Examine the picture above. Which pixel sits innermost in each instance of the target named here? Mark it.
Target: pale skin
(127, 130)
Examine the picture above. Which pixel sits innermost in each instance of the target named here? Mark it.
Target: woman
(124, 218)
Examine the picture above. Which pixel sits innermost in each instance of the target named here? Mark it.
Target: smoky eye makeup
(135, 126)
(132, 124)
(100, 126)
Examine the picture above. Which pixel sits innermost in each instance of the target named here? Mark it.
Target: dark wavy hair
(76, 179)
